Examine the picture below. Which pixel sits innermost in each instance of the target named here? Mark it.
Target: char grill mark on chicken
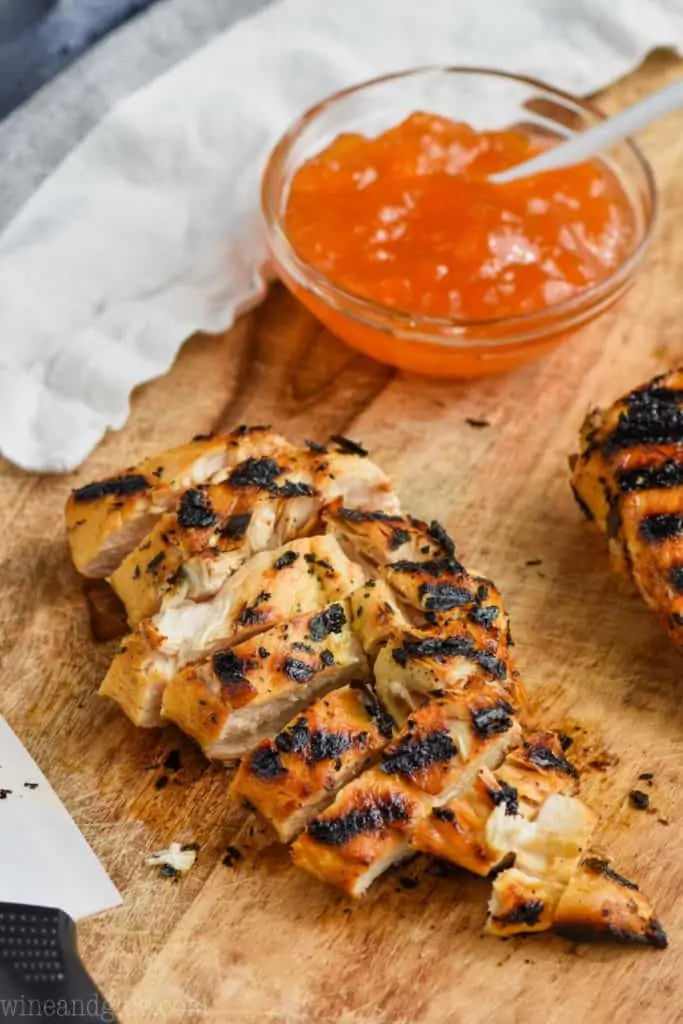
(628, 479)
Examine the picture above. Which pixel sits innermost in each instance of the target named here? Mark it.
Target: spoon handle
(586, 144)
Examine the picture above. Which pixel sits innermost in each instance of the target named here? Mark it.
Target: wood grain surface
(256, 940)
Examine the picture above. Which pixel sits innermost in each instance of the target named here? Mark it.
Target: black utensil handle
(41, 974)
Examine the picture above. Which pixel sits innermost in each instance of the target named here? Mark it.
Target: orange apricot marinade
(409, 220)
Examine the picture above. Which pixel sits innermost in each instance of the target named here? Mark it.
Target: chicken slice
(418, 665)
(291, 778)
(231, 701)
(375, 615)
(343, 470)
(478, 831)
(594, 902)
(628, 478)
(262, 504)
(299, 577)
(446, 594)
(436, 756)
(547, 852)
(107, 518)
(375, 537)
(599, 902)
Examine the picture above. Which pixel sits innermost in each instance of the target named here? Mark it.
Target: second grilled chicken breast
(299, 577)
(628, 479)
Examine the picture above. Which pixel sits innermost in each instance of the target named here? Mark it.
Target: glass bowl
(487, 100)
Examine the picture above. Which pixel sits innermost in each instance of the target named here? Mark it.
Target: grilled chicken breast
(380, 716)
(292, 777)
(436, 756)
(299, 577)
(107, 518)
(628, 479)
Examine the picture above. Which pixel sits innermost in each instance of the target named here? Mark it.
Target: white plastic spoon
(587, 144)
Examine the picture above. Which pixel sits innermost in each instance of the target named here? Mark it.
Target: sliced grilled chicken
(628, 478)
(375, 537)
(444, 593)
(231, 701)
(302, 576)
(436, 756)
(419, 665)
(599, 902)
(593, 902)
(480, 830)
(376, 616)
(107, 518)
(262, 504)
(343, 470)
(291, 778)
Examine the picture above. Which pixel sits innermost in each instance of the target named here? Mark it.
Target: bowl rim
(312, 279)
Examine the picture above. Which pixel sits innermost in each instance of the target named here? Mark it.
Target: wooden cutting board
(255, 940)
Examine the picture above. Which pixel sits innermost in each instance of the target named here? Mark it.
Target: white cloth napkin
(150, 229)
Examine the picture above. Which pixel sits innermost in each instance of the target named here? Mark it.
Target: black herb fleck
(172, 762)
(443, 814)
(602, 867)
(286, 559)
(232, 855)
(236, 526)
(348, 447)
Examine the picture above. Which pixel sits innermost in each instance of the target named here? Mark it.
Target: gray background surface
(37, 136)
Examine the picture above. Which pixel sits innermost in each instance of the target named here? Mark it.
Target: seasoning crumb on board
(477, 423)
(639, 800)
(232, 855)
